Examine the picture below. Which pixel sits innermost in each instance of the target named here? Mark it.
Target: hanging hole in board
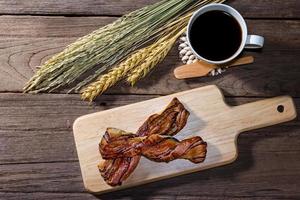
(280, 108)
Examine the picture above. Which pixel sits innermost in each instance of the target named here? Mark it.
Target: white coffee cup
(248, 41)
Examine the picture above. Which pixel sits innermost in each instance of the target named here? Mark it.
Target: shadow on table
(203, 180)
(274, 72)
(174, 185)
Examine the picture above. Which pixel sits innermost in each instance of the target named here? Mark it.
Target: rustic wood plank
(29, 41)
(80, 196)
(38, 128)
(260, 174)
(252, 8)
(42, 124)
(46, 196)
(267, 8)
(38, 156)
(55, 26)
(266, 169)
(281, 34)
(72, 7)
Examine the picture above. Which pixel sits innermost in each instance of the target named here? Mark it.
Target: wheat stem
(155, 57)
(106, 47)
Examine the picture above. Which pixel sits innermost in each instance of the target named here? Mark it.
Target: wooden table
(38, 158)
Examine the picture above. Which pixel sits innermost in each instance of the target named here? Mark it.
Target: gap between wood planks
(117, 16)
(154, 95)
(26, 43)
(33, 120)
(109, 196)
(256, 8)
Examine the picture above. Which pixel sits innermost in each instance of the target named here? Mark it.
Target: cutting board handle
(264, 113)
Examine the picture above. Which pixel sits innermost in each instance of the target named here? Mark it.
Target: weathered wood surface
(265, 175)
(249, 8)
(38, 156)
(28, 41)
(36, 121)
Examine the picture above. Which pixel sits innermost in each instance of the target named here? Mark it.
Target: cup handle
(254, 42)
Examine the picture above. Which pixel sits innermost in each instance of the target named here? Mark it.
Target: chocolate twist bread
(154, 147)
(169, 122)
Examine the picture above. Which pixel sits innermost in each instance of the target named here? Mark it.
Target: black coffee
(216, 35)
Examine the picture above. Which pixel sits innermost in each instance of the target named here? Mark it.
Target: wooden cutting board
(211, 118)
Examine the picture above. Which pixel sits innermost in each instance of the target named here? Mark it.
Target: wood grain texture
(51, 196)
(210, 118)
(37, 154)
(32, 121)
(48, 27)
(267, 174)
(249, 8)
(267, 166)
(46, 196)
(28, 41)
(42, 125)
(259, 172)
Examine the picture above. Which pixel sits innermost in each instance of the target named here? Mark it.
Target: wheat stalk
(141, 62)
(106, 47)
(107, 80)
(141, 59)
(155, 57)
(109, 45)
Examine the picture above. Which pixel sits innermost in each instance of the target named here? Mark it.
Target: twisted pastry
(169, 122)
(154, 147)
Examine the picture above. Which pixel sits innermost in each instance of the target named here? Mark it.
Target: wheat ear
(107, 80)
(162, 48)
